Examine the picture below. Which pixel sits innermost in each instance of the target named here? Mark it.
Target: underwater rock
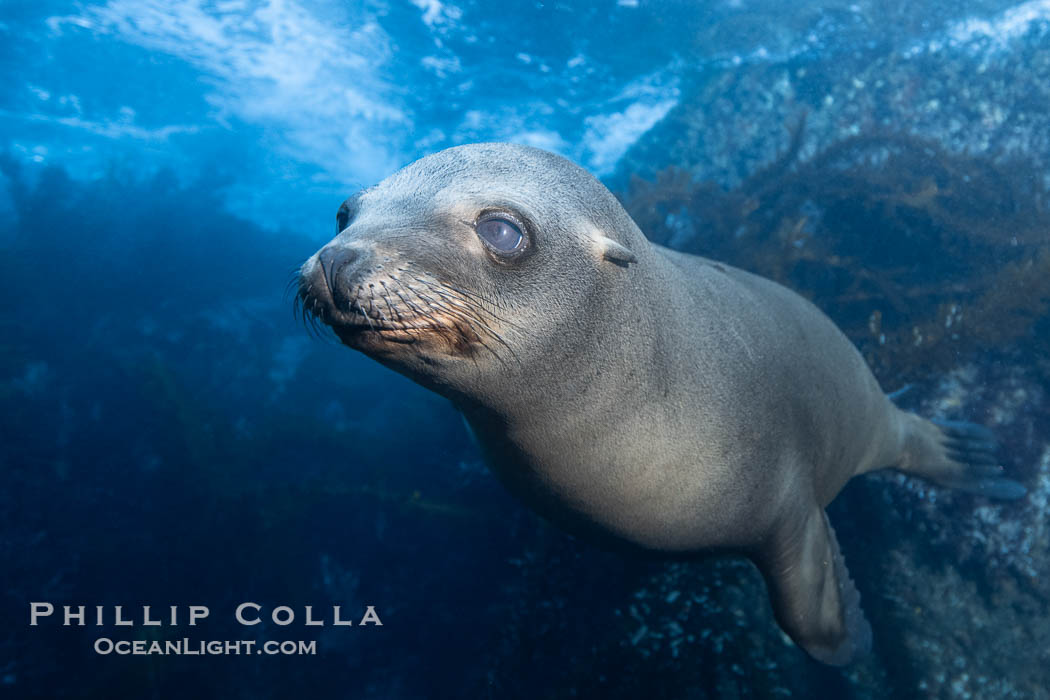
(849, 206)
(964, 92)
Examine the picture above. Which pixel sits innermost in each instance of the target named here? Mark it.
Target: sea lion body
(684, 448)
(626, 391)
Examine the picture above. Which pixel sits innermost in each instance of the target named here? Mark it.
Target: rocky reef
(903, 191)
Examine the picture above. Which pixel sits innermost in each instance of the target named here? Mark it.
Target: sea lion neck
(583, 359)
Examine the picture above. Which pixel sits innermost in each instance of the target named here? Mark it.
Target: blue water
(172, 436)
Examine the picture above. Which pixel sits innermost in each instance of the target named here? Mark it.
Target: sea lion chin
(623, 390)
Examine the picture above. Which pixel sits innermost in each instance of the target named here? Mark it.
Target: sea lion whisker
(440, 325)
(415, 309)
(479, 306)
(449, 300)
(312, 321)
(295, 281)
(456, 316)
(393, 309)
(304, 311)
(473, 295)
(395, 316)
(468, 300)
(318, 329)
(365, 312)
(499, 339)
(440, 287)
(439, 284)
(429, 302)
(297, 305)
(480, 329)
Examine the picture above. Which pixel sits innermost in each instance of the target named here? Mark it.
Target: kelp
(921, 255)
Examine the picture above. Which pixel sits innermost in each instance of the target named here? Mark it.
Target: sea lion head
(474, 265)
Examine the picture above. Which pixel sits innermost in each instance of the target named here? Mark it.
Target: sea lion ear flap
(614, 252)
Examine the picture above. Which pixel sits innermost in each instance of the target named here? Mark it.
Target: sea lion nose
(334, 260)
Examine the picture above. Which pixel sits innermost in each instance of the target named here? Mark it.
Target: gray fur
(622, 389)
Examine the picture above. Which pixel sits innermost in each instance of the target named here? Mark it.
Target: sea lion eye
(347, 212)
(501, 234)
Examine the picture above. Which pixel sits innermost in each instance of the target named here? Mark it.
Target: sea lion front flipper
(813, 596)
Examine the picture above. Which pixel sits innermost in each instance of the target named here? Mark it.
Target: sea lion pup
(624, 390)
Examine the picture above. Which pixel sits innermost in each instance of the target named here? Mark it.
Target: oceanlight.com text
(188, 647)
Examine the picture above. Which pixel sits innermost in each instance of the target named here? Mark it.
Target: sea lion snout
(331, 284)
(337, 269)
(374, 300)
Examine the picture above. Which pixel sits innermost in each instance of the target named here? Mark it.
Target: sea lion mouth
(359, 323)
(350, 333)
